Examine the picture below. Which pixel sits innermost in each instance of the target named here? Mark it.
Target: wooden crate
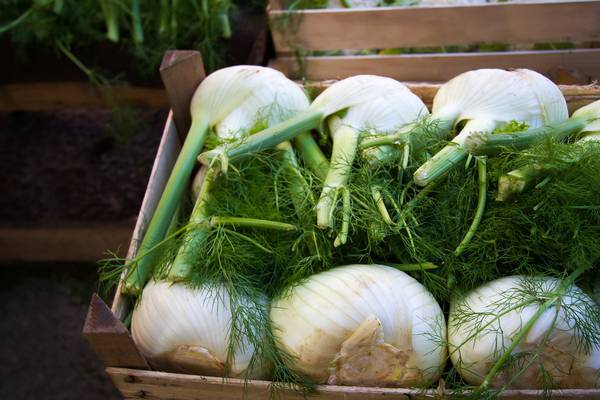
(513, 23)
(129, 371)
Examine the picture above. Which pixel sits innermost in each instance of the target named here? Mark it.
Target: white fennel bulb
(365, 325)
(487, 99)
(543, 343)
(181, 329)
(340, 96)
(390, 107)
(238, 90)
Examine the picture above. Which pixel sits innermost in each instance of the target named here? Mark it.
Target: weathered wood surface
(166, 155)
(576, 95)
(136, 384)
(440, 67)
(109, 338)
(393, 27)
(72, 243)
(49, 96)
(181, 72)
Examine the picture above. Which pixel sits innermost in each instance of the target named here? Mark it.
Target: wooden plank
(181, 73)
(443, 66)
(109, 338)
(576, 95)
(48, 96)
(136, 384)
(393, 27)
(168, 149)
(74, 243)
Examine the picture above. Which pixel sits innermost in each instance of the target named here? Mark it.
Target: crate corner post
(181, 72)
(109, 338)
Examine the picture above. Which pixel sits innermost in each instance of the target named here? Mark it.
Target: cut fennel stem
(522, 179)
(585, 119)
(488, 99)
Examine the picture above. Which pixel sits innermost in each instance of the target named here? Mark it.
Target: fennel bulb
(526, 333)
(366, 325)
(183, 329)
(392, 110)
(225, 100)
(488, 99)
(271, 103)
(339, 97)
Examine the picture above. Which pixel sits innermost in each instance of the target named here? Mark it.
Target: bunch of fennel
(227, 94)
(227, 346)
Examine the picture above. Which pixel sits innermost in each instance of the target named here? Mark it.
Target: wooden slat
(442, 67)
(387, 27)
(59, 95)
(576, 95)
(136, 384)
(181, 73)
(168, 149)
(85, 243)
(109, 338)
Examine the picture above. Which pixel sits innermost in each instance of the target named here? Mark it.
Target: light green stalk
(164, 10)
(140, 270)
(297, 185)
(252, 223)
(265, 139)
(417, 136)
(137, 30)
(451, 155)
(174, 21)
(486, 143)
(522, 179)
(58, 6)
(345, 143)
(312, 155)
(199, 228)
(482, 183)
(111, 19)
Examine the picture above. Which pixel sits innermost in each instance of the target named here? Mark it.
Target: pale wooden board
(138, 384)
(50, 96)
(443, 66)
(72, 243)
(168, 149)
(392, 27)
(576, 95)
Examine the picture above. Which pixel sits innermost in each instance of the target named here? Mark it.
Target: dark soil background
(61, 167)
(43, 354)
(75, 165)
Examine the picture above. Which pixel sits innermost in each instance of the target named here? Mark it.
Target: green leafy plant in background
(142, 29)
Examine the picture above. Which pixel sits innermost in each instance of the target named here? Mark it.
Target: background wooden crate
(181, 73)
(513, 23)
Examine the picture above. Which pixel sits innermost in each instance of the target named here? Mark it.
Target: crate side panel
(137, 384)
(387, 27)
(109, 337)
(442, 67)
(163, 164)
